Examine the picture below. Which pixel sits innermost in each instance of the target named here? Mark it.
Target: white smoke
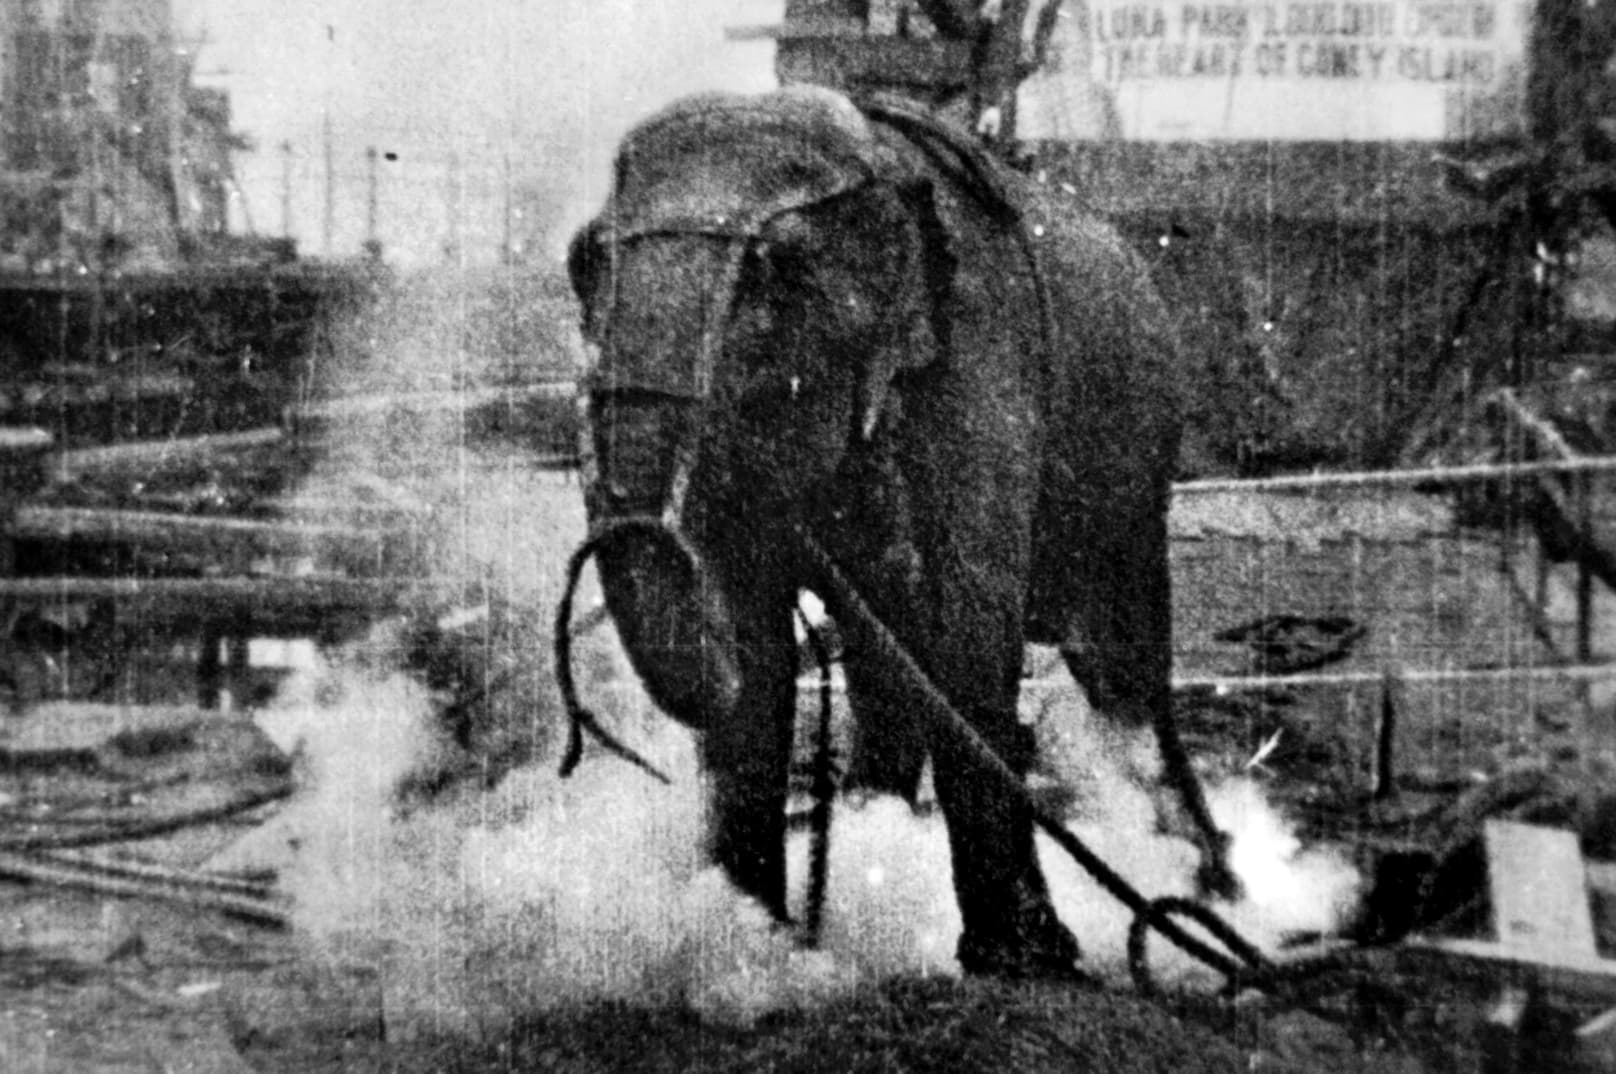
(1286, 890)
(546, 893)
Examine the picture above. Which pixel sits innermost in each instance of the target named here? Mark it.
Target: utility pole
(505, 238)
(286, 190)
(451, 245)
(370, 194)
(329, 222)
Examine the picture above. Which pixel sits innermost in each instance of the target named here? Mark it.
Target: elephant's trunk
(668, 605)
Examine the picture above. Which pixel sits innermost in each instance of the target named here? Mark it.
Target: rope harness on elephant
(579, 718)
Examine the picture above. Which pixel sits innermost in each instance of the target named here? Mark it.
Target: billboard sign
(1271, 70)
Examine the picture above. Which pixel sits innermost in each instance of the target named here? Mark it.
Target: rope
(824, 793)
(581, 719)
(1244, 965)
(1160, 910)
(952, 731)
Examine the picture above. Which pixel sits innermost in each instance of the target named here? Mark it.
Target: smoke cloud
(547, 893)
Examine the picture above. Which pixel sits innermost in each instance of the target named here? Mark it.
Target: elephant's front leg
(747, 752)
(967, 639)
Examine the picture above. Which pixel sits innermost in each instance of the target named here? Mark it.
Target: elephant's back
(1115, 340)
(1027, 252)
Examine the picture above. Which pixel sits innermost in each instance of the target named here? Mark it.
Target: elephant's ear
(923, 333)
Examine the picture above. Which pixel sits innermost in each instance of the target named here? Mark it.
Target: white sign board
(1271, 70)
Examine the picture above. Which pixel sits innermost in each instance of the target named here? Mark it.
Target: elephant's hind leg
(1120, 653)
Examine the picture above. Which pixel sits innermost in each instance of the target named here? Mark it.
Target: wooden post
(238, 677)
(286, 190)
(1385, 775)
(1585, 591)
(209, 668)
(328, 220)
(1501, 1031)
(371, 182)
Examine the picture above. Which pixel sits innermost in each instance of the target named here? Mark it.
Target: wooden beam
(1434, 475)
(231, 543)
(1589, 979)
(156, 453)
(262, 602)
(60, 732)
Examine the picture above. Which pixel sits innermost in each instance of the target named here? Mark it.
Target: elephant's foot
(1215, 877)
(1033, 945)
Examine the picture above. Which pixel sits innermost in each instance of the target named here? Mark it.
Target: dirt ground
(101, 984)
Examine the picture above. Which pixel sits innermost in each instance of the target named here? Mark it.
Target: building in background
(127, 306)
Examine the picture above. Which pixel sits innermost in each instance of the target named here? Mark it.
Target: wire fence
(1469, 598)
(1334, 605)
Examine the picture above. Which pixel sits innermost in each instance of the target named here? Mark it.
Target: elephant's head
(757, 282)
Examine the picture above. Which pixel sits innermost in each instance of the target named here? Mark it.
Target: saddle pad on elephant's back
(751, 158)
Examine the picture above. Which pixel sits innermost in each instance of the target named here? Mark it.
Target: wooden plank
(81, 462)
(165, 529)
(222, 542)
(60, 732)
(1539, 891)
(315, 417)
(259, 600)
(1585, 979)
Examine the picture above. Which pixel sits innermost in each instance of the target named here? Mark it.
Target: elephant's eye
(769, 287)
(773, 266)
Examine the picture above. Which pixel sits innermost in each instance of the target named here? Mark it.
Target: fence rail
(1434, 475)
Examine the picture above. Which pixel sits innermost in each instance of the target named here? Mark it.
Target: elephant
(810, 315)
